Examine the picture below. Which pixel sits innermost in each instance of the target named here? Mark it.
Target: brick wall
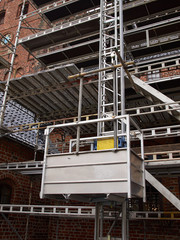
(163, 73)
(76, 229)
(25, 189)
(24, 63)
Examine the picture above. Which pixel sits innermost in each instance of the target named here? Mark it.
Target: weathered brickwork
(25, 189)
(24, 63)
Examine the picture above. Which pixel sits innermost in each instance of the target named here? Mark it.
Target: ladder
(109, 40)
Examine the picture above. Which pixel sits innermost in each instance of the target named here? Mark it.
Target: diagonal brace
(11, 226)
(162, 189)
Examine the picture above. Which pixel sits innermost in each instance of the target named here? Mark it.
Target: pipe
(122, 56)
(98, 70)
(79, 112)
(3, 107)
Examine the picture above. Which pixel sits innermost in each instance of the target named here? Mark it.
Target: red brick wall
(75, 229)
(11, 151)
(23, 61)
(164, 73)
(26, 189)
(59, 141)
(168, 72)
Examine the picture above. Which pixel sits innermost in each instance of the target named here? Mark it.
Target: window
(5, 193)
(26, 7)
(2, 16)
(19, 72)
(154, 75)
(6, 39)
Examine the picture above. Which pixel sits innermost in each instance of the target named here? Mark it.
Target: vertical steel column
(101, 221)
(115, 77)
(125, 225)
(122, 56)
(3, 107)
(36, 145)
(143, 168)
(101, 87)
(115, 103)
(79, 112)
(109, 40)
(124, 221)
(96, 227)
(47, 131)
(127, 126)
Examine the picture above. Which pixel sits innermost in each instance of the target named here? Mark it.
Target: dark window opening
(2, 16)
(26, 7)
(5, 193)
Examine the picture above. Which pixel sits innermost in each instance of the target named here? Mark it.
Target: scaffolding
(115, 61)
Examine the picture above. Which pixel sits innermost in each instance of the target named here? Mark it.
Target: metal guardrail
(144, 110)
(18, 166)
(155, 215)
(82, 211)
(162, 156)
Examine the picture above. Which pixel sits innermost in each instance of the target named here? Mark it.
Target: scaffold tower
(111, 38)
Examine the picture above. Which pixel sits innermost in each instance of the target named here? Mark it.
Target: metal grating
(15, 114)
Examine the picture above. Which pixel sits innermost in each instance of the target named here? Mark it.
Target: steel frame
(166, 131)
(126, 32)
(138, 111)
(61, 3)
(2, 111)
(82, 212)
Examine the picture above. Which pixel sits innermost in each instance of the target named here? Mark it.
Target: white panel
(86, 188)
(96, 172)
(101, 172)
(87, 158)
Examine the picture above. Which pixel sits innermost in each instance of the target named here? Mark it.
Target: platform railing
(124, 137)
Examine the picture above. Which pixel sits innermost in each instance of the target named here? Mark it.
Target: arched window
(5, 193)
(19, 72)
(2, 16)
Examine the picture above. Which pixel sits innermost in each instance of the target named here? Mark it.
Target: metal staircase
(163, 190)
(156, 96)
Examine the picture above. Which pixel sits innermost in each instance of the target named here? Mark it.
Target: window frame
(5, 193)
(2, 16)
(26, 8)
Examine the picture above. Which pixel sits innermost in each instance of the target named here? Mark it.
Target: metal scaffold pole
(4, 101)
(108, 95)
(111, 46)
(122, 56)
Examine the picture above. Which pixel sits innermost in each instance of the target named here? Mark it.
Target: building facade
(57, 39)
